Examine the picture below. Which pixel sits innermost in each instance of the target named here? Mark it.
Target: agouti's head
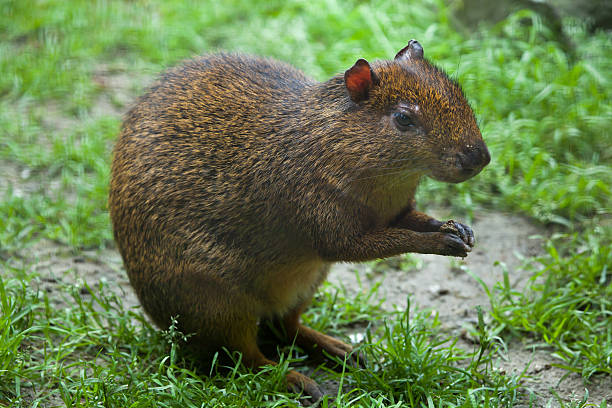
(426, 124)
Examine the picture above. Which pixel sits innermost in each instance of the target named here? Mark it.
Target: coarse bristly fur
(237, 181)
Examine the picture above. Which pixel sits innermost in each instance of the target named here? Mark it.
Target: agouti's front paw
(461, 230)
(453, 244)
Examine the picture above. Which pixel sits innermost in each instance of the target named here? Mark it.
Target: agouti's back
(236, 182)
(192, 174)
(199, 136)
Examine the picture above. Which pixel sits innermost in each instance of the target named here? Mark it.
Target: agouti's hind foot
(299, 383)
(316, 342)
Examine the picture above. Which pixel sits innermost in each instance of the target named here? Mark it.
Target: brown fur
(237, 181)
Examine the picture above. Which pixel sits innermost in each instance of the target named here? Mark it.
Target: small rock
(467, 336)
(538, 368)
(438, 290)
(357, 337)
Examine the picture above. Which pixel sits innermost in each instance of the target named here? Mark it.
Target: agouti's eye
(403, 121)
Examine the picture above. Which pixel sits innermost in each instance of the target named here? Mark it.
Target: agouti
(237, 181)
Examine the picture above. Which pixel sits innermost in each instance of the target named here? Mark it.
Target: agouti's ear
(413, 50)
(359, 79)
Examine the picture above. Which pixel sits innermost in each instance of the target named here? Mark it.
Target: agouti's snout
(473, 159)
(458, 166)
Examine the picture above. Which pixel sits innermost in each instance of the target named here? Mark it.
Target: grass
(92, 351)
(418, 367)
(567, 303)
(545, 118)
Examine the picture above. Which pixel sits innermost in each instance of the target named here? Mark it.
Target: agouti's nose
(474, 158)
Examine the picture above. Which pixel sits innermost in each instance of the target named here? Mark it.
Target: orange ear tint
(358, 80)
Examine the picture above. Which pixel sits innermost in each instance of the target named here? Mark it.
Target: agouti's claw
(357, 359)
(299, 383)
(454, 245)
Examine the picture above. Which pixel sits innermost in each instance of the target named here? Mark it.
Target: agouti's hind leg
(246, 343)
(314, 341)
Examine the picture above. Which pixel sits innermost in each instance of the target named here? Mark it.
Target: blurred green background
(544, 114)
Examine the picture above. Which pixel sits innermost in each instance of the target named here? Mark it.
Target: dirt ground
(440, 284)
